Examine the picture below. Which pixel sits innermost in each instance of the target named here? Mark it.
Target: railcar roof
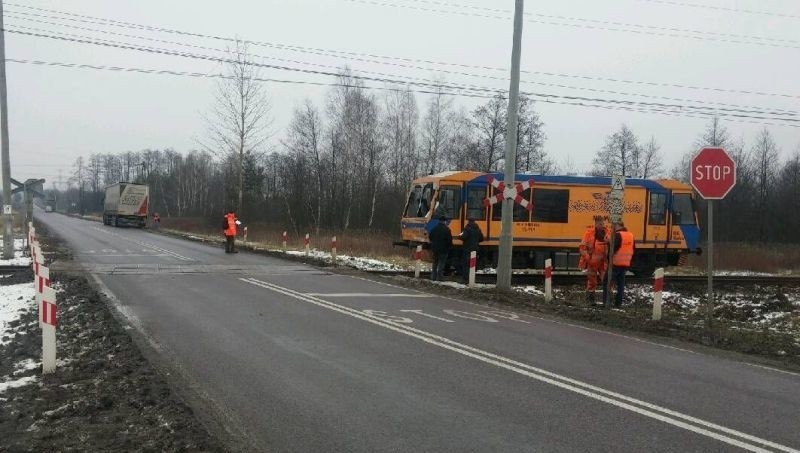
(483, 178)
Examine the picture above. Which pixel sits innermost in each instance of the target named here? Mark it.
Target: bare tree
(305, 141)
(715, 135)
(619, 155)
(765, 164)
(434, 130)
(239, 121)
(531, 156)
(490, 122)
(651, 164)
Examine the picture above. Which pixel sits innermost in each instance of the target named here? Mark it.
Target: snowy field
(19, 255)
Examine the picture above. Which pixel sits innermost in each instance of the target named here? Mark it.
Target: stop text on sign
(712, 172)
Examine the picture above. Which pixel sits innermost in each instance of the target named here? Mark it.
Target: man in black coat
(441, 243)
(471, 237)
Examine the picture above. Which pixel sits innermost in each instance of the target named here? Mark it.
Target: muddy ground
(104, 396)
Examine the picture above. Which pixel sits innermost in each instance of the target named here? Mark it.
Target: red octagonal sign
(713, 173)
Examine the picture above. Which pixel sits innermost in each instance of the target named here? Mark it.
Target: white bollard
(285, 239)
(333, 249)
(245, 235)
(308, 244)
(49, 322)
(417, 261)
(473, 261)
(658, 287)
(548, 280)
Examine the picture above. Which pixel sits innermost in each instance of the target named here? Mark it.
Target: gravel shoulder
(105, 395)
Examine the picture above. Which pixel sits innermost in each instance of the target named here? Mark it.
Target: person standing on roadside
(229, 224)
(594, 256)
(624, 248)
(441, 240)
(471, 237)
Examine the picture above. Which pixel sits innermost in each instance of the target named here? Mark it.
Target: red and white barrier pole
(548, 280)
(285, 240)
(658, 287)
(417, 261)
(473, 261)
(49, 322)
(40, 282)
(333, 249)
(245, 235)
(308, 244)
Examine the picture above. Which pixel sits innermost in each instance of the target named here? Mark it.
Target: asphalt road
(301, 359)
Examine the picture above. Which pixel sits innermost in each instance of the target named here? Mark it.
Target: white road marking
(468, 315)
(674, 418)
(505, 315)
(367, 295)
(422, 313)
(387, 316)
(146, 244)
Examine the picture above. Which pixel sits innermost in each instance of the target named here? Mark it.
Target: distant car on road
(48, 208)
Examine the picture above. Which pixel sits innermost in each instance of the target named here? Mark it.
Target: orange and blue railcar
(660, 213)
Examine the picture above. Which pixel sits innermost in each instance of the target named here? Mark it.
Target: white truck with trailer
(126, 204)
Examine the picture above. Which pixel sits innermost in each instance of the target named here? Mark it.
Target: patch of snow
(25, 365)
(19, 255)
(529, 290)
(724, 273)
(27, 380)
(364, 264)
(13, 300)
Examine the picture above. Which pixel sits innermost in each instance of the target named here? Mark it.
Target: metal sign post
(616, 204)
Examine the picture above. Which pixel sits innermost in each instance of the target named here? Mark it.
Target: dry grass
(372, 244)
(750, 257)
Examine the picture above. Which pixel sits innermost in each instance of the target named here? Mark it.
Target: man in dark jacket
(441, 242)
(471, 237)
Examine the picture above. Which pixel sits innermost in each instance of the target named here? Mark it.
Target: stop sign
(713, 173)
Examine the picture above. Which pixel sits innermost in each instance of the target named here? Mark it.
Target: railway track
(574, 278)
(14, 269)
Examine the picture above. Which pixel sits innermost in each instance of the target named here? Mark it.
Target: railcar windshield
(419, 200)
(682, 209)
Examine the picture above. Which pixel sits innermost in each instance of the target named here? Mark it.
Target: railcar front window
(413, 202)
(682, 209)
(658, 209)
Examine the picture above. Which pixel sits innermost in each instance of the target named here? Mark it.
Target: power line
(722, 8)
(434, 85)
(637, 28)
(635, 109)
(116, 23)
(737, 107)
(604, 22)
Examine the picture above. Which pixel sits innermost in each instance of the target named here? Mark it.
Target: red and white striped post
(473, 261)
(49, 322)
(285, 240)
(333, 249)
(548, 280)
(37, 258)
(244, 234)
(417, 261)
(40, 282)
(658, 287)
(308, 244)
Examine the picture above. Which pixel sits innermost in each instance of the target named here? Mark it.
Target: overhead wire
(738, 107)
(636, 27)
(722, 8)
(116, 23)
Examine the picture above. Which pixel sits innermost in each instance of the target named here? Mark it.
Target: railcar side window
(475, 208)
(521, 214)
(658, 209)
(551, 205)
(449, 202)
(425, 200)
(682, 209)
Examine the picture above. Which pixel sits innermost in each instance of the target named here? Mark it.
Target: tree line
(347, 163)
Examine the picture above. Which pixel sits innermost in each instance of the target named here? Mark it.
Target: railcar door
(476, 209)
(657, 228)
(684, 231)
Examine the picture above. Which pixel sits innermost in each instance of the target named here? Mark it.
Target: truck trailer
(126, 204)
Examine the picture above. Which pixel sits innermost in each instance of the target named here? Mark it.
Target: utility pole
(8, 234)
(506, 237)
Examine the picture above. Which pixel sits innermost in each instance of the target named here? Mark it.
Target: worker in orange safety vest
(594, 255)
(624, 248)
(229, 224)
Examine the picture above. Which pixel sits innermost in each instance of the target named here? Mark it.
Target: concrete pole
(8, 233)
(506, 237)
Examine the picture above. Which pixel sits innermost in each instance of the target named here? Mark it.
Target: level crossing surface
(299, 358)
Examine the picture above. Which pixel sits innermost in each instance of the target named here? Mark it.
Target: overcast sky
(57, 114)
